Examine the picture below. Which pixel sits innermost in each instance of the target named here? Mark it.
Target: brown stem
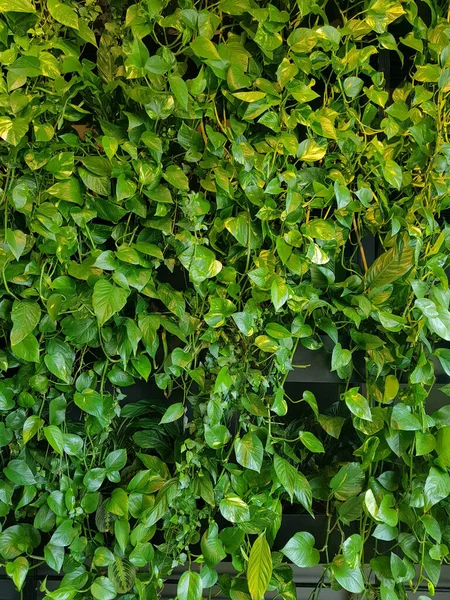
(360, 246)
(202, 131)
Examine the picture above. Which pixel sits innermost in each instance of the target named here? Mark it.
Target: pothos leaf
(300, 550)
(107, 300)
(391, 265)
(249, 451)
(259, 568)
(189, 586)
(350, 579)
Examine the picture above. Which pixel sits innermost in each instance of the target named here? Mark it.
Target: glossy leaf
(300, 550)
(259, 568)
(249, 451)
(189, 586)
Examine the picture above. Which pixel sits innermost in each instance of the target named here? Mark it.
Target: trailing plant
(187, 191)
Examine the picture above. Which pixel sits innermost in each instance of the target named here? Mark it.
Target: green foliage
(186, 188)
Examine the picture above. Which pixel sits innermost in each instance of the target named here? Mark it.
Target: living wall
(186, 191)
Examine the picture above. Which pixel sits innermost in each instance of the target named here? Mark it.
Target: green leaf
(157, 65)
(165, 496)
(85, 33)
(249, 96)
(320, 229)
(28, 349)
(259, 568)
(30, 428)
(427, 73)
(391, 388)
(60, 359)
(390, 266)
(189, 586)
(220, 309)
(94, 479)
(266, 344)
(310, 399)
(426, 443)
(277, 331)
(107, 300)
(103, 557)
(103, 589)
(211, 546)
(179, 89)
(25, 316)
(386, 512)
(125, 188)
(142, 555)
(234, 509)
(350, 579)
(392, 172)
(122, 532)
(245, 322)
(204, 48)
(437, 486)
(73, 444)
(216, 436)
(6, 396)
(347, 482)
(403, 418)
(201, 263)
(122, 574)
(19, 472)
(249, 451)
(340, 358)
(311, 151)
(243, 230)
(136, 61)
(285, 73)
(55, 438)
(379, 97)
(54, 556)
(300, 550)
(174, 412)
(6, 435)
(64, 534)
(352, 548)
(175, 176)
(69, 190)
(17, 241)
(17, 539)
(279, 293)
(443, 354)
(302, 92)
(310, 441)
(118, 505)
(61, 165)
(12, 131)
(18, 570)
(438, 317)
(97, 184)
(116, 460)
(90, 401)
(293, 482)
(352, 86)
(142, 365)
(62, 13)
(357, 404)
(391, 322)
(20, 6)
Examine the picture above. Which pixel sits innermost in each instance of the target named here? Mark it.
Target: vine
(188, 191)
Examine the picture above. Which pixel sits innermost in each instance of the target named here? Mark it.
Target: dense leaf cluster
(186, 190)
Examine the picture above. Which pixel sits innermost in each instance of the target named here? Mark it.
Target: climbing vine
(188, 190)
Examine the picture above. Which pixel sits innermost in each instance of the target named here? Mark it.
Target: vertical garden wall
(194, 198)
